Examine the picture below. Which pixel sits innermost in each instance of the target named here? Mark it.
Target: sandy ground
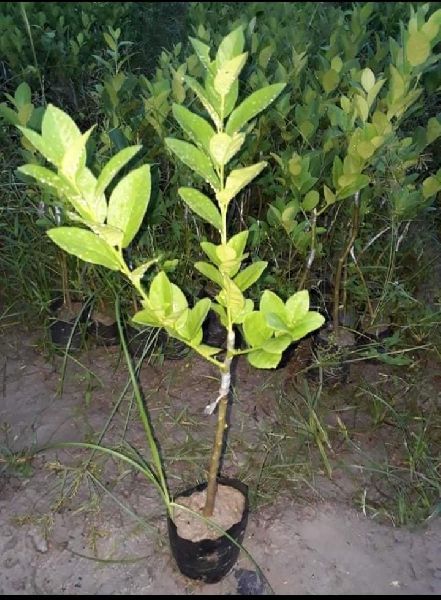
(321, 548)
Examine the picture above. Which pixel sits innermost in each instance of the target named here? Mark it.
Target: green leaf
(276, 322)
(278, 344)
(85, 245)
(367, 80)
(330, 197)
(202, 206)
(250, 275)
(263, 360)
(431, 186)
(203, 52)
(161, 294)
(417, 48)
(49, 179)
(195, 159)
(59, 131)
(237, 180)
(147, 317)
(223, 147)
(228, 73)
(128, 203)
(231, 296)
(297, 306)
(238, 242)
(23, 95)
(336, 64)
(255, 329)
(350, 184)
(41, 145)
(95, 206)
(271, 303)
(311, 200)
(113, 166)
(74, 158)
(198, 315)
(211, 251)
(252, 106)
(330, 80)
(200, 93)
(433, 129)
(312, 321)
(9, 115)
(197, 128)
(231, 46)
(207, 350)
(210, 272)
(362, 107)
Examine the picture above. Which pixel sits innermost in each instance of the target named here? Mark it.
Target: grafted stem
(220, 428)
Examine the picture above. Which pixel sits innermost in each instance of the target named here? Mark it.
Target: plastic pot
(209, 560)
(66, 332)
(105, 331)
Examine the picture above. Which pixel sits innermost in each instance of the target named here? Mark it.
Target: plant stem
(311, 254)
(342, 260)
(34, 55)
(221, 427)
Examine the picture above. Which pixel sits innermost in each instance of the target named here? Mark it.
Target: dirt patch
(67, 529)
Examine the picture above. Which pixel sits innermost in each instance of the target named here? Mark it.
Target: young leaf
(194, 126)
(200, 93)
(203, 52)
(113, 166)
(417, 48)
(256, 330)
(59, 131)
(96, 206)
(40, 144)
(311, 200)
(223, 147)
(161, 294)
(276, 322)
(228, 73)
(232, 45)
(85, 245)
(74, 158)
(263, 360)
(202, 206)
(211, 251)
(310, 322)
(237, 180)
(238, 242)
(277, 345)
(297, 306)
(22, 95)
(250, 275)
(146, 317)
(367, 79)
(271, 303)
(197, 316)
(252, 106)
(210, 272)
(195, 159)
(51, 180)
(128, 203)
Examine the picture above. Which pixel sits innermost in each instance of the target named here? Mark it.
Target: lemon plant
(108, 210)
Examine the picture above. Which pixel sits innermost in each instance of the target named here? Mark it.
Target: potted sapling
(207, 522)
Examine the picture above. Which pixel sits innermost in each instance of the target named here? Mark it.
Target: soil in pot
(67, 324)
(202, 552)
